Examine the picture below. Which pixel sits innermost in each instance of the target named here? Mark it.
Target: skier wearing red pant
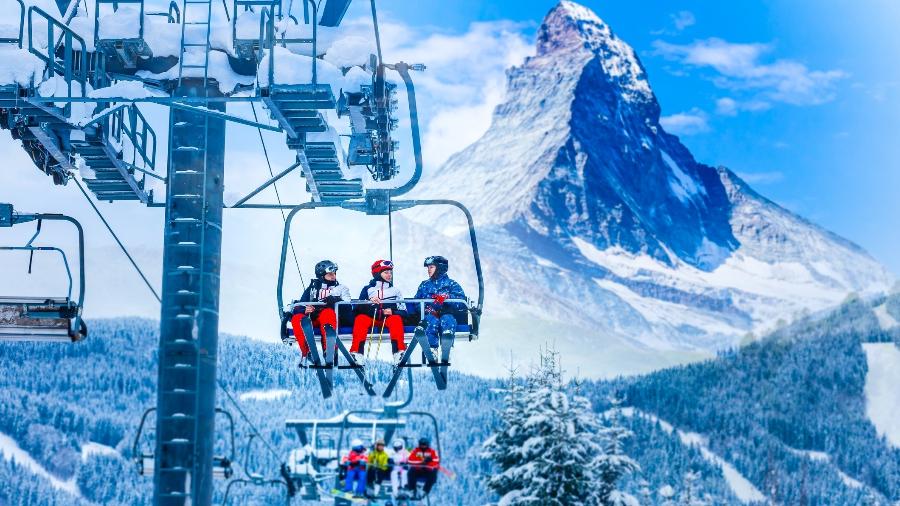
(381, 314)
(325, 288)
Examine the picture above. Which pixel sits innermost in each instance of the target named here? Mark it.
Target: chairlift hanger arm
(18, 218)
(403, 69)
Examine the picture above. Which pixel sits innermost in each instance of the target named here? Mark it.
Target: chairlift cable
(121, 246)
(277, 194)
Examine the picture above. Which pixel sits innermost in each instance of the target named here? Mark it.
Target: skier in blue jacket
(440, 316)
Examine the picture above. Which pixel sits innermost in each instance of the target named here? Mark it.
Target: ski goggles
(430, 261)
(331, 268)
(386, 264)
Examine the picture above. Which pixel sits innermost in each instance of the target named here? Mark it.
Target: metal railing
(468, 306)
(267, 39)
(138, 132)
(18, 41)
(115, 5)
(72, 67)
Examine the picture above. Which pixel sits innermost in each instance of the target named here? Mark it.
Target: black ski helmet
(440, 262)
(324, 267)
(424, 441)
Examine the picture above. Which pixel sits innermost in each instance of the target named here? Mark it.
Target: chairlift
(43, 319)
(316, 463)
(251, 477)
(466, 330)
(145, 459)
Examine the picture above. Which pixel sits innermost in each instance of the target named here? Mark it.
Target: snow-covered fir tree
(550, 448)
(613, 463)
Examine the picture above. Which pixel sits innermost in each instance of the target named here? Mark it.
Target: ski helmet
(381, 265)
(357, 445)
(324, 267)
(442, 264)
(398, 444)
(424, 442)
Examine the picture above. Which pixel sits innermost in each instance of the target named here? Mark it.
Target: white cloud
(762, 177)
(464, 81)
(683, 19)
(740, 67)
(727, 106)
(685, 123)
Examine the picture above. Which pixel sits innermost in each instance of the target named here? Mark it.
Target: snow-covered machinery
(73, 85)
(47, 318)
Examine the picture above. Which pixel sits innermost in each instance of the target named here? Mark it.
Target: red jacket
(417, 458)
(355, 460)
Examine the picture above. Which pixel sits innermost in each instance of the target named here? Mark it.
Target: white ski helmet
(357, 443)
(398, 444)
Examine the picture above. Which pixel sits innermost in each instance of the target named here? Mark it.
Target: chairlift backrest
(48, 318)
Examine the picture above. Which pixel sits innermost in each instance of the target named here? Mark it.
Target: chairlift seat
(48, 319)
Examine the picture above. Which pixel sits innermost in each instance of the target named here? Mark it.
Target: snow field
(10, 450)
(882, 391)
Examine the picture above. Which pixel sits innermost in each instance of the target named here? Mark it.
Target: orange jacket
(355, 460)
(417, 458)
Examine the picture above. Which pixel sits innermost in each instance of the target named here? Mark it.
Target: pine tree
(550, 446)
(613, 464)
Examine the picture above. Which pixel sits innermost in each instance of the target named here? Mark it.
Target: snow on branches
(551, 449)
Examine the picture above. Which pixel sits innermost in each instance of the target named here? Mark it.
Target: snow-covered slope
(10, 450)
(882, 392)
(593, 217)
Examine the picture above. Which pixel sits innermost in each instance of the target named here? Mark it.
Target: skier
(424, 463)
(400, 458)
(355, 462)
(380, 314)
(440, 316)
(379, 466)
(325, 288)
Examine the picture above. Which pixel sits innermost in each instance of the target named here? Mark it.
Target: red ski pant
(363, 324)
(325, 317)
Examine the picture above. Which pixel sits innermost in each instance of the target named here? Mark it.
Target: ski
(447, 339)
(324, 381)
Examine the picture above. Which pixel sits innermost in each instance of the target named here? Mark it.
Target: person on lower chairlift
(355, 463)
(424, 463)
(381, 314)
(325, 288)
(440, 316)
(400, 460)
(379, 469)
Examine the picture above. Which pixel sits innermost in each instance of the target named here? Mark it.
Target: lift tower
(189, 320)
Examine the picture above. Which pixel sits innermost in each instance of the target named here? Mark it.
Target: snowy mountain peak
(583, 196)
(572, 27)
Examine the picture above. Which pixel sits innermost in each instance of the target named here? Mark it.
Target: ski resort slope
(742, 487)
(10, 450)
(883, 389)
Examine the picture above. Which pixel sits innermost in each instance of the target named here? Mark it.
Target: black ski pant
(375, 475)
(416, 474)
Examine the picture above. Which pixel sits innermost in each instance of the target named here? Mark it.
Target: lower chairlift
(315, 467)
(145, 459)
(43, 319)
(337, 344)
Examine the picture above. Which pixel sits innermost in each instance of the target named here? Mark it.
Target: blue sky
(811, 123)
(800, 97)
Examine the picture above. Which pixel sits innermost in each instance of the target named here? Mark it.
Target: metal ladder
(199, 16)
